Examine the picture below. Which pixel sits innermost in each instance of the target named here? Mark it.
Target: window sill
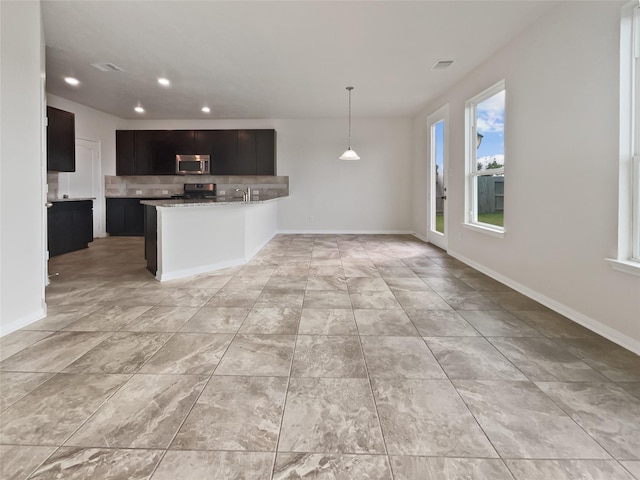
(494, 232)
(626, 266)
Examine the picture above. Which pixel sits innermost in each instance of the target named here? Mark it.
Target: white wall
(327, 194)
(96, 126)
(22, 197)
(561, 175)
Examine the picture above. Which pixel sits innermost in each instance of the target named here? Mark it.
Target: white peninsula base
(198, 239)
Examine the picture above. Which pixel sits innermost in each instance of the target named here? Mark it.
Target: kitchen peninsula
(185, 237)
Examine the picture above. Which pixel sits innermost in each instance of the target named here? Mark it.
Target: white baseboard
(345, 232)
(421, 237)
(23, 322)
(592, 324)
(188, 272)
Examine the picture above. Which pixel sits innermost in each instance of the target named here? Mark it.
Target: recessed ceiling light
(72, 81)
(139, 109)
(164, 81)
(206, 109)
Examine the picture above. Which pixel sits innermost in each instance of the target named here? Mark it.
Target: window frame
(628, 255)
(471, 189)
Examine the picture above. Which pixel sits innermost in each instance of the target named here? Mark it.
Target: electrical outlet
(138, 192)
(165, 192)
(310, 218)
(222, 192)
(256, 192)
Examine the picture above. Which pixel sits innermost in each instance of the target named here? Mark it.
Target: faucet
(246, 194)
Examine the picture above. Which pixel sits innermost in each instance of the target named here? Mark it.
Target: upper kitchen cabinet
(233, 152)
(157, 149)
(151, 152)
(256, 152)
(246, 163)
(266, 152)
(61, 140)
(222, 146)
(125, 152)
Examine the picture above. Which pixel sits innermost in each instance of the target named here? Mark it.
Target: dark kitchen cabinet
(246, 159)
(69, 226)
(151, 152)
(125, 152)
(233, 152)
(142, 154)
(125, 217)
(222, 145)
(256, 152)
(156, 150)
(61, 140)
(266, 152)
(151, 238)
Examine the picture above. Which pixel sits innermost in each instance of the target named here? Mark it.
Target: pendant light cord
(349, 154)
(349, 89)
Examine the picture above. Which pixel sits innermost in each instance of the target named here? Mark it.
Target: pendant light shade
(349, 154)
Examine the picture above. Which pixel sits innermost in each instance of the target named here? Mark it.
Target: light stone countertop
(72, 199)
(201, 202)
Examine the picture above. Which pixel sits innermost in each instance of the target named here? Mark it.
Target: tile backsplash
(52, 183)
(149, 186)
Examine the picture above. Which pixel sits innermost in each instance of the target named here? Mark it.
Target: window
(628, 258)
(486, 160)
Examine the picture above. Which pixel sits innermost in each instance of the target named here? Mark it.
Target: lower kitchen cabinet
(125, 216)
(69, 226)
(151, 238)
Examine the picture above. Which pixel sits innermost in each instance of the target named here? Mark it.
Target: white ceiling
(268, 59)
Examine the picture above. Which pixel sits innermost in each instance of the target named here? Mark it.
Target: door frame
(433, 236)
(99, 229)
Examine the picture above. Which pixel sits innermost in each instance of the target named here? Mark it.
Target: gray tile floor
(326, 357)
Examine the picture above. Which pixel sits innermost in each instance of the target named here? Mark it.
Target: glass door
(438, 153)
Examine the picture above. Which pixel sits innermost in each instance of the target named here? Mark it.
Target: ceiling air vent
(107, 67)
(442, 64)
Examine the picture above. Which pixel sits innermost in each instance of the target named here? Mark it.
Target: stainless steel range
(198, 190)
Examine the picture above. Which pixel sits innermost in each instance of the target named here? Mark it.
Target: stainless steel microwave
(193, 164)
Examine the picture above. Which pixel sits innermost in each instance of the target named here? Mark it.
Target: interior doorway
(438, 124)
(86, 181)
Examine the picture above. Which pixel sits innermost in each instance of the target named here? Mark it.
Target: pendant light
(349, 154)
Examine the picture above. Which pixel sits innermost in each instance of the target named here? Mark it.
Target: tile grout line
(167, 449)
(303, 246)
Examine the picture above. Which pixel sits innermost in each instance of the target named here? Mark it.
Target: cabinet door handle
(48, 204)
(444, 197)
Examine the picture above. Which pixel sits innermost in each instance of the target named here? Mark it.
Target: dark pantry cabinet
(69, 226)
(233, 152)
(61, 140)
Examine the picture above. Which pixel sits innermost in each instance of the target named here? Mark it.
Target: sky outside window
(490, 124)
